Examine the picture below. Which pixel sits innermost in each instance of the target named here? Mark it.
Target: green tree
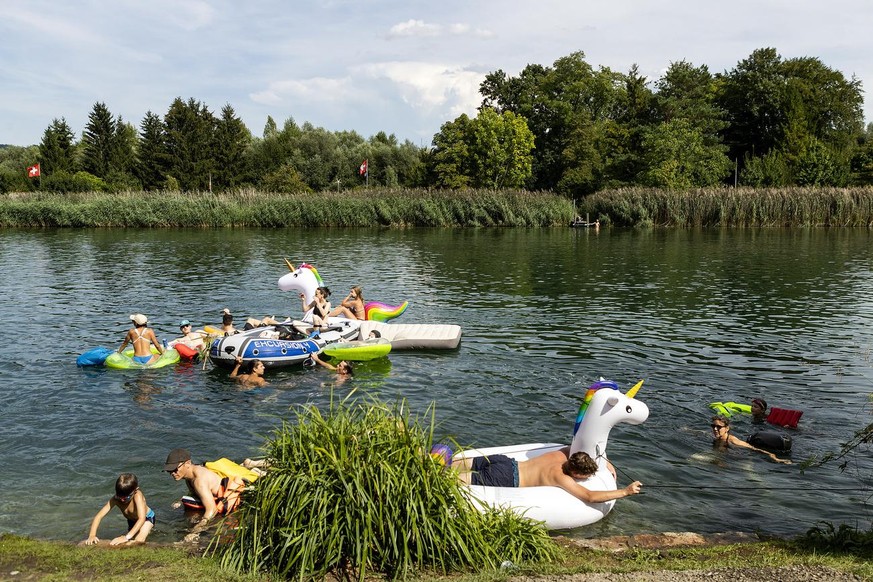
(189, 129)
(792, 106)
(493, 150)
(57, 148)
(230, 144)
(677, 157)
(14, 161)
(98, 141)
(152, 162)
(450, 157)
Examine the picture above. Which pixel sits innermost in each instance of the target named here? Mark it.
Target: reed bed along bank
(372, 207)
(733, 207)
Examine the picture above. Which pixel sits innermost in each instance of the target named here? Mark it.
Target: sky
(404, 67)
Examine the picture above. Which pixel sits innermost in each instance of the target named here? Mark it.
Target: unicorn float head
(305, 279)
(604, 407)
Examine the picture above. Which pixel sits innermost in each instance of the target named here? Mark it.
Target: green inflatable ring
(124, 361)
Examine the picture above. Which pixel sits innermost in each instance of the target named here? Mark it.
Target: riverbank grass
(27, 559)
(394, 207)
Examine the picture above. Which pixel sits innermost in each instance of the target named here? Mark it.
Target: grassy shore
(58, 561)
(733, 207)
(399, 208)
(373, 207)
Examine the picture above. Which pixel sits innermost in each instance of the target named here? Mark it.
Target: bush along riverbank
(733, 207)
(251, 208)
(399, 208)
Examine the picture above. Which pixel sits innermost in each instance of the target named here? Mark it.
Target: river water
(702, 315)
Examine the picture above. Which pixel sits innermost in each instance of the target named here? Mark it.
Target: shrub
(355, 492)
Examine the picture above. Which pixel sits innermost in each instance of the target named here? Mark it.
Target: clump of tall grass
(354, 491)
(737, 207)
(393, 207)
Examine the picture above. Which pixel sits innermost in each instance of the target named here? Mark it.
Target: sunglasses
(125, 499)
(179, 466)
(718, 426)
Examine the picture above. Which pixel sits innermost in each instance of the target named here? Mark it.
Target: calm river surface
(703, 316)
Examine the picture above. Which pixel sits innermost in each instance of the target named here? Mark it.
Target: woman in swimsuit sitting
(352, 307)
(142, 338)
(320, 306)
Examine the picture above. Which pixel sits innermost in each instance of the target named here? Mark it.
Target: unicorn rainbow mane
(587, 400)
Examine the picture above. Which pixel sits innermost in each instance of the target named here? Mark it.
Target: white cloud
(421, 29)
(427, 86)
(413, 28)
(318, 89)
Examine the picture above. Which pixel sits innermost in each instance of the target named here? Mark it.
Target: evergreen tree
(230, 144)
(189, 139)
(57, 150)
(98, 141)
(152, 161)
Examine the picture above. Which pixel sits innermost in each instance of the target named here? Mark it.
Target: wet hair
(723, 419)
(760, 402)
(252, 365)
(375, 333)
(579, 463)
(126, 484)
(349, 367)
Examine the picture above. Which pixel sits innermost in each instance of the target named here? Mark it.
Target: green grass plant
(363, 207)
(733, 207)
(353, 492)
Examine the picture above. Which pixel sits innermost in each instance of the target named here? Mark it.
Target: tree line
(570, 128)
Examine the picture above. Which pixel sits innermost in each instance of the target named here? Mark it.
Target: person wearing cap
(218, 495)
(192, 339)
(142, 338)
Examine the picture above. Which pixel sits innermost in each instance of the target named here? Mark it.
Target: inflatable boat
(286, 344)
(604, 407)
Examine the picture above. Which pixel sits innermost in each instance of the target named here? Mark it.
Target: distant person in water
(343, 369)
(142, 338)
(254, 376)
(132, 503)
(759, 410)
(722, 439)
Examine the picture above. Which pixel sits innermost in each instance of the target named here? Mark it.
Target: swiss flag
(363, 169)
(33, 171)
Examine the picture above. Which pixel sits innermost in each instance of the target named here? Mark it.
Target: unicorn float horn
(290, 265)
(636, 388)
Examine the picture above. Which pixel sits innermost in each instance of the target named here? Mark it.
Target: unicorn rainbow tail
(377, 311)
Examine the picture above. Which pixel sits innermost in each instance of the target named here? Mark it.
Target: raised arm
(743, 444)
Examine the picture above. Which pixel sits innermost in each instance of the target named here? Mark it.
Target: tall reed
(373, 207)
(355, 492)
(735, 207)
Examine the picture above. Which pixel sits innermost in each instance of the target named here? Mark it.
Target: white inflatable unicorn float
(305, 279)
(604, 407)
